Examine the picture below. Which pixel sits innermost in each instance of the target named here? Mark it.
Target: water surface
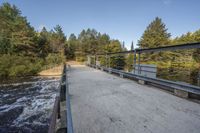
(26, 106)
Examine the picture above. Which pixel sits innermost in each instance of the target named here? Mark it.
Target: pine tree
(155, 35)
(15, 31)
(43, 43)
(132, 46)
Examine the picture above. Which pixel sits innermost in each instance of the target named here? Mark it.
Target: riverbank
(52, 72)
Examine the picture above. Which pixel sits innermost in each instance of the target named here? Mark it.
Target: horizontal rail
(55, 115)
(62, 97)
(158, 49)
(170, 48)
(171, 84)
(145, 71)
(68, 106)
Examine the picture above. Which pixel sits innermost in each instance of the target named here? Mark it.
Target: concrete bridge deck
(103, 103)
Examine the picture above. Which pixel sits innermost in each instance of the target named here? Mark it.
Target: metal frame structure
(158, 49)
(160, 82)
(150, 50)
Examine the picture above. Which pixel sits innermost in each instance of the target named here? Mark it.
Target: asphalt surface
(104, 103)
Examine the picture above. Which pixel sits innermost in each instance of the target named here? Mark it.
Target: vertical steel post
(198, 79)
(109, 61)
(95, 60)
(134, 61)
(139, 71)
(88, 60)
(106, 60)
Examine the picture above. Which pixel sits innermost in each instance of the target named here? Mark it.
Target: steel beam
(160, 49)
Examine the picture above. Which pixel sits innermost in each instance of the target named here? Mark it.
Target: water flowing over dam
(26, 107)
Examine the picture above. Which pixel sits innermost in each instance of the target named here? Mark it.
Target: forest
(25, 51)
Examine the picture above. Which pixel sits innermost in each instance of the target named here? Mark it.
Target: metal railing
(63, 96)
(160, 82)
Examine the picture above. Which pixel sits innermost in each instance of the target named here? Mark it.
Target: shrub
(13, 65)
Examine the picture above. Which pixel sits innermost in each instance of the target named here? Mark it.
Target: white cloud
(167, 2)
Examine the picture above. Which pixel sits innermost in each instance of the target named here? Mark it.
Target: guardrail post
(134, 61)
(95, 60)
(109, 61)
(106, 61)
(121, 75)
(198, 79)
(139, 72)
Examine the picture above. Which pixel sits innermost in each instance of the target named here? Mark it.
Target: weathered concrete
(121, 75)
(63, 114)
(103, 103)
(181, 93)
(142, 82)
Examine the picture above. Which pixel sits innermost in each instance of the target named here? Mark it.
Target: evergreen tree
(116, 61)
(196, 53)
(43, 43)
(155, 35)
(57, 40)
(16, 32)
(132, 46)
(70, 47)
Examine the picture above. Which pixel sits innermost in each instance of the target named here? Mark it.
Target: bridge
(100, 99)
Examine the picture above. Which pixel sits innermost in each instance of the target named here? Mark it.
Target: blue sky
(125, 20)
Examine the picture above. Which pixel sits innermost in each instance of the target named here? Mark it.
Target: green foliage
(54, 59)
(188, 38)
(57, 40)
(70, 47)
(117, 61)
(43, 43)
(155, 35)
(23, 51)
(14, 65)
(129, 62)
(16, 32)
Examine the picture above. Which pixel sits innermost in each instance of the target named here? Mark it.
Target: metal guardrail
(68, 105)
(158, 49)
(63, 96)
(161, 82)
(55, 115)
(165, 83)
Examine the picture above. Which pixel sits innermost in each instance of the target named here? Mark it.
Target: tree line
(25, 51)
(156, 35)
(91, 42)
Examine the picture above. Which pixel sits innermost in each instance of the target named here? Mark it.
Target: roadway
(104, 103)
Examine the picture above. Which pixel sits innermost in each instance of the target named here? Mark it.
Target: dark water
(25, 107)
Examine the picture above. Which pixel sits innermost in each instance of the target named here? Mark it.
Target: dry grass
(55, 71)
